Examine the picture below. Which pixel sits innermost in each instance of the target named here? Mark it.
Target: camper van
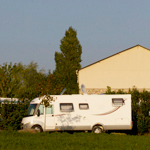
(95, 113)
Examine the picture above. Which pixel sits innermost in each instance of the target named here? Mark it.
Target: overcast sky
(31, 30)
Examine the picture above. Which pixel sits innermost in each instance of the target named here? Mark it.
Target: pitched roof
(114, 55)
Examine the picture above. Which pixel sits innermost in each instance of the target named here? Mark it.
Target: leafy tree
(10, 80)
(67, 62)
(31, 79)
(21, 81)
(45, 85)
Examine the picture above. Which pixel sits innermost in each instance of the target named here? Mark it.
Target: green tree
(31, 79)
(10, 80)
(45, 86)
(67, 62)
(22, 81)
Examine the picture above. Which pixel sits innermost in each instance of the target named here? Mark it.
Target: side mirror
(38, 112)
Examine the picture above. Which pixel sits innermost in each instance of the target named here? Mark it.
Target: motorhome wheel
(38, 128)
(97, 129)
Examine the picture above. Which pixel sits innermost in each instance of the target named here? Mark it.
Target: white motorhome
(95, 113)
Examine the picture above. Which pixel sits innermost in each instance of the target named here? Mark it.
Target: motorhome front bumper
(26, 126)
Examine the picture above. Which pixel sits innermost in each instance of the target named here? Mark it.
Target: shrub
(142, 124)
(12, 114)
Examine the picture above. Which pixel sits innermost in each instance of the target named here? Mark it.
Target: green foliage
(10, 80)
(12, 114)
(31, 79)
(140, 108)
(41, 141)
(142, 124)
(47, 85)
(108, 91)
(67, 62)
(135, 94)
(145, 102)
(23, 81)
(47, 100)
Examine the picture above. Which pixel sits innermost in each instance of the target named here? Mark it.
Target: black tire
(97, 129)
(38, 128)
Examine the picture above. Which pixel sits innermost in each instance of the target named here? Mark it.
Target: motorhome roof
(38, 100)
(73, 97)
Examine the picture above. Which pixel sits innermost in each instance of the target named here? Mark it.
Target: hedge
(12, 114)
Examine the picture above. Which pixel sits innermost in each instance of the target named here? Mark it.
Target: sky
(31, 30)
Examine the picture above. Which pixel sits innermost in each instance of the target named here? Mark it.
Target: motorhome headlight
(25, 125)
(22, 125)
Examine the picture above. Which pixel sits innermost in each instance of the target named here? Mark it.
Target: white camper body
(81, 112)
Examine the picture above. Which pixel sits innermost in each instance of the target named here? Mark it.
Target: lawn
(65, 141)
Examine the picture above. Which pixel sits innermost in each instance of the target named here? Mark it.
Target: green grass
(65, 141)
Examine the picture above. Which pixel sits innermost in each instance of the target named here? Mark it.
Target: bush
(142, 124)
(12, 114)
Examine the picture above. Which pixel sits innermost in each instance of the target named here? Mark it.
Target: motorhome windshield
(31, 109)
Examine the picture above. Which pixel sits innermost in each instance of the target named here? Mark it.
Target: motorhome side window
(41, 109)
(117, 102)
(83, 106)
(66, 107)
(49, 110)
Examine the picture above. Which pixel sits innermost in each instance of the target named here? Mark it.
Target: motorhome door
(50, 119)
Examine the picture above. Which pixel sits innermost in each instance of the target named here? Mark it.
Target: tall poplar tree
(67, 62)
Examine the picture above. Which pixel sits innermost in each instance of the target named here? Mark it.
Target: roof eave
(113, 55)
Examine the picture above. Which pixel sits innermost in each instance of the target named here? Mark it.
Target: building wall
(121, 71)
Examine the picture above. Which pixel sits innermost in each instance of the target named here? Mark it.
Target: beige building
(128, 68)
